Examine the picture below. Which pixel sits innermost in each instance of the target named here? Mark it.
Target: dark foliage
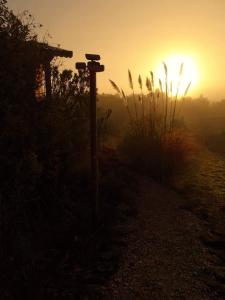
(43, 161)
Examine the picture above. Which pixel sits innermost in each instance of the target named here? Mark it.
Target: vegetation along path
(164, 257)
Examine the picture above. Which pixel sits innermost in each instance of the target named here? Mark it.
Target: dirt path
(164, 258)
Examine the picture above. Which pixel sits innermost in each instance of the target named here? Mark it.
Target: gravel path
(165, 258)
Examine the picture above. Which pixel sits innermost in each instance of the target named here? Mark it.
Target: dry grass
(155, 137)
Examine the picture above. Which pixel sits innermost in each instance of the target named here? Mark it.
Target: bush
(43, 158)
(157, 157)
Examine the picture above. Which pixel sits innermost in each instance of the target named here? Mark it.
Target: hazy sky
(138, 34)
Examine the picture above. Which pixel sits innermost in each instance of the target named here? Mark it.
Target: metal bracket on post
(94, 67)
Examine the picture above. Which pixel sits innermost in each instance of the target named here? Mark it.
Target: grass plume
(154, 130)
(115, 87)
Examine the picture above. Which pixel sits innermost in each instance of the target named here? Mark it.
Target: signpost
(94, 67)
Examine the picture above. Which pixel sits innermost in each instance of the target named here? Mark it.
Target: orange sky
(138, 35)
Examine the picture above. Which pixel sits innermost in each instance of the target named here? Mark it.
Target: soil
(155, 241)
(175, 248)
(165, 258)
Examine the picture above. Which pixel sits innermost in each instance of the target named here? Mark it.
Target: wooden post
(94, 149)
(93, 68)
(48, 84)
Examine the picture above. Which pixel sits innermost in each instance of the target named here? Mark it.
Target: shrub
(43, 189)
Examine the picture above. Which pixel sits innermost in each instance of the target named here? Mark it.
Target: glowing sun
(177, 78)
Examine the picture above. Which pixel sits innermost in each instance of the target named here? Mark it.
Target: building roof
(54, 51)
(44, 47)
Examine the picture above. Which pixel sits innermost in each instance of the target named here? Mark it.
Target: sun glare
(189, 74)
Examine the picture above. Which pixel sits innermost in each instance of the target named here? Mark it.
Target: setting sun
(189, 74)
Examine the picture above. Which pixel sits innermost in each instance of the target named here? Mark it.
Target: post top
(92, 56)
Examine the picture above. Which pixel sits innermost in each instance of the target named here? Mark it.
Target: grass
(156, 140)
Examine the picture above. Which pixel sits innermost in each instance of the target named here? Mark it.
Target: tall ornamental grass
(156, 140)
